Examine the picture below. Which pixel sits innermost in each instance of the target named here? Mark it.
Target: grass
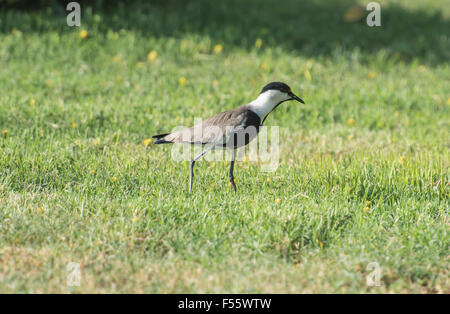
(363, 174)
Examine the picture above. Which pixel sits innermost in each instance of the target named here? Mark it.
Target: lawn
(363, 174)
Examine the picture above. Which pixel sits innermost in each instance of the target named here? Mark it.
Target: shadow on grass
(311, 28)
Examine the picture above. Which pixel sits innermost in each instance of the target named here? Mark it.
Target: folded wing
(219, 129)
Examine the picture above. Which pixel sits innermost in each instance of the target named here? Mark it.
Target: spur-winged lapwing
(231, 129)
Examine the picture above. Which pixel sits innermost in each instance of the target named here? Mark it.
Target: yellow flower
(401, 159)
(448, 101)
(268, 180)
(307, 75)
(229, 184)
(147, 142)
(96, 142)
(216, 84)
(152, 55)
(74, 125)
(218, 49)
(372, 75)
(141, 64)
(185, 45)
(83, 34)
(421, 68)
(351, 122)
(278, 201)
(134, 219)
(354, 14)
(5, 133)
(117, 58)
(320, 243)
(114, 179)
(368, 203)
(245, 158)
(264, 66)
(258, 43)
(367, 209)
(40, 210)
(93, 171)
(32, 101)
(49, 83)
(182, 81)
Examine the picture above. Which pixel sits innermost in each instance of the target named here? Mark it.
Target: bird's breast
(245, 133)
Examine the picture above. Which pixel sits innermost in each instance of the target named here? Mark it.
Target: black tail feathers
(160, 138)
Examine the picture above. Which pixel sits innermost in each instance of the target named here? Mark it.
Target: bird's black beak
(295, 97)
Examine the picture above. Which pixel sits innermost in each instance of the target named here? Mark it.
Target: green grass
(77, 184)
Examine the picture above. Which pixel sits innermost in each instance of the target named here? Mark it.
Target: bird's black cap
(282, 87)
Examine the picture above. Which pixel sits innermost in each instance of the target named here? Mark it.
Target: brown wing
(214, 130)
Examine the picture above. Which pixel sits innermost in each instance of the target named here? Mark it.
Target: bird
(231, 129)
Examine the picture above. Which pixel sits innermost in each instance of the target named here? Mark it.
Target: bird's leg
(191, 176)
(231, 172)
(191, 167)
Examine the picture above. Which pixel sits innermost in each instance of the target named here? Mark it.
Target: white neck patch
(266, 101)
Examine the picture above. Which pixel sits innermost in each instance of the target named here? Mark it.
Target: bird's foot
(233, 184)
